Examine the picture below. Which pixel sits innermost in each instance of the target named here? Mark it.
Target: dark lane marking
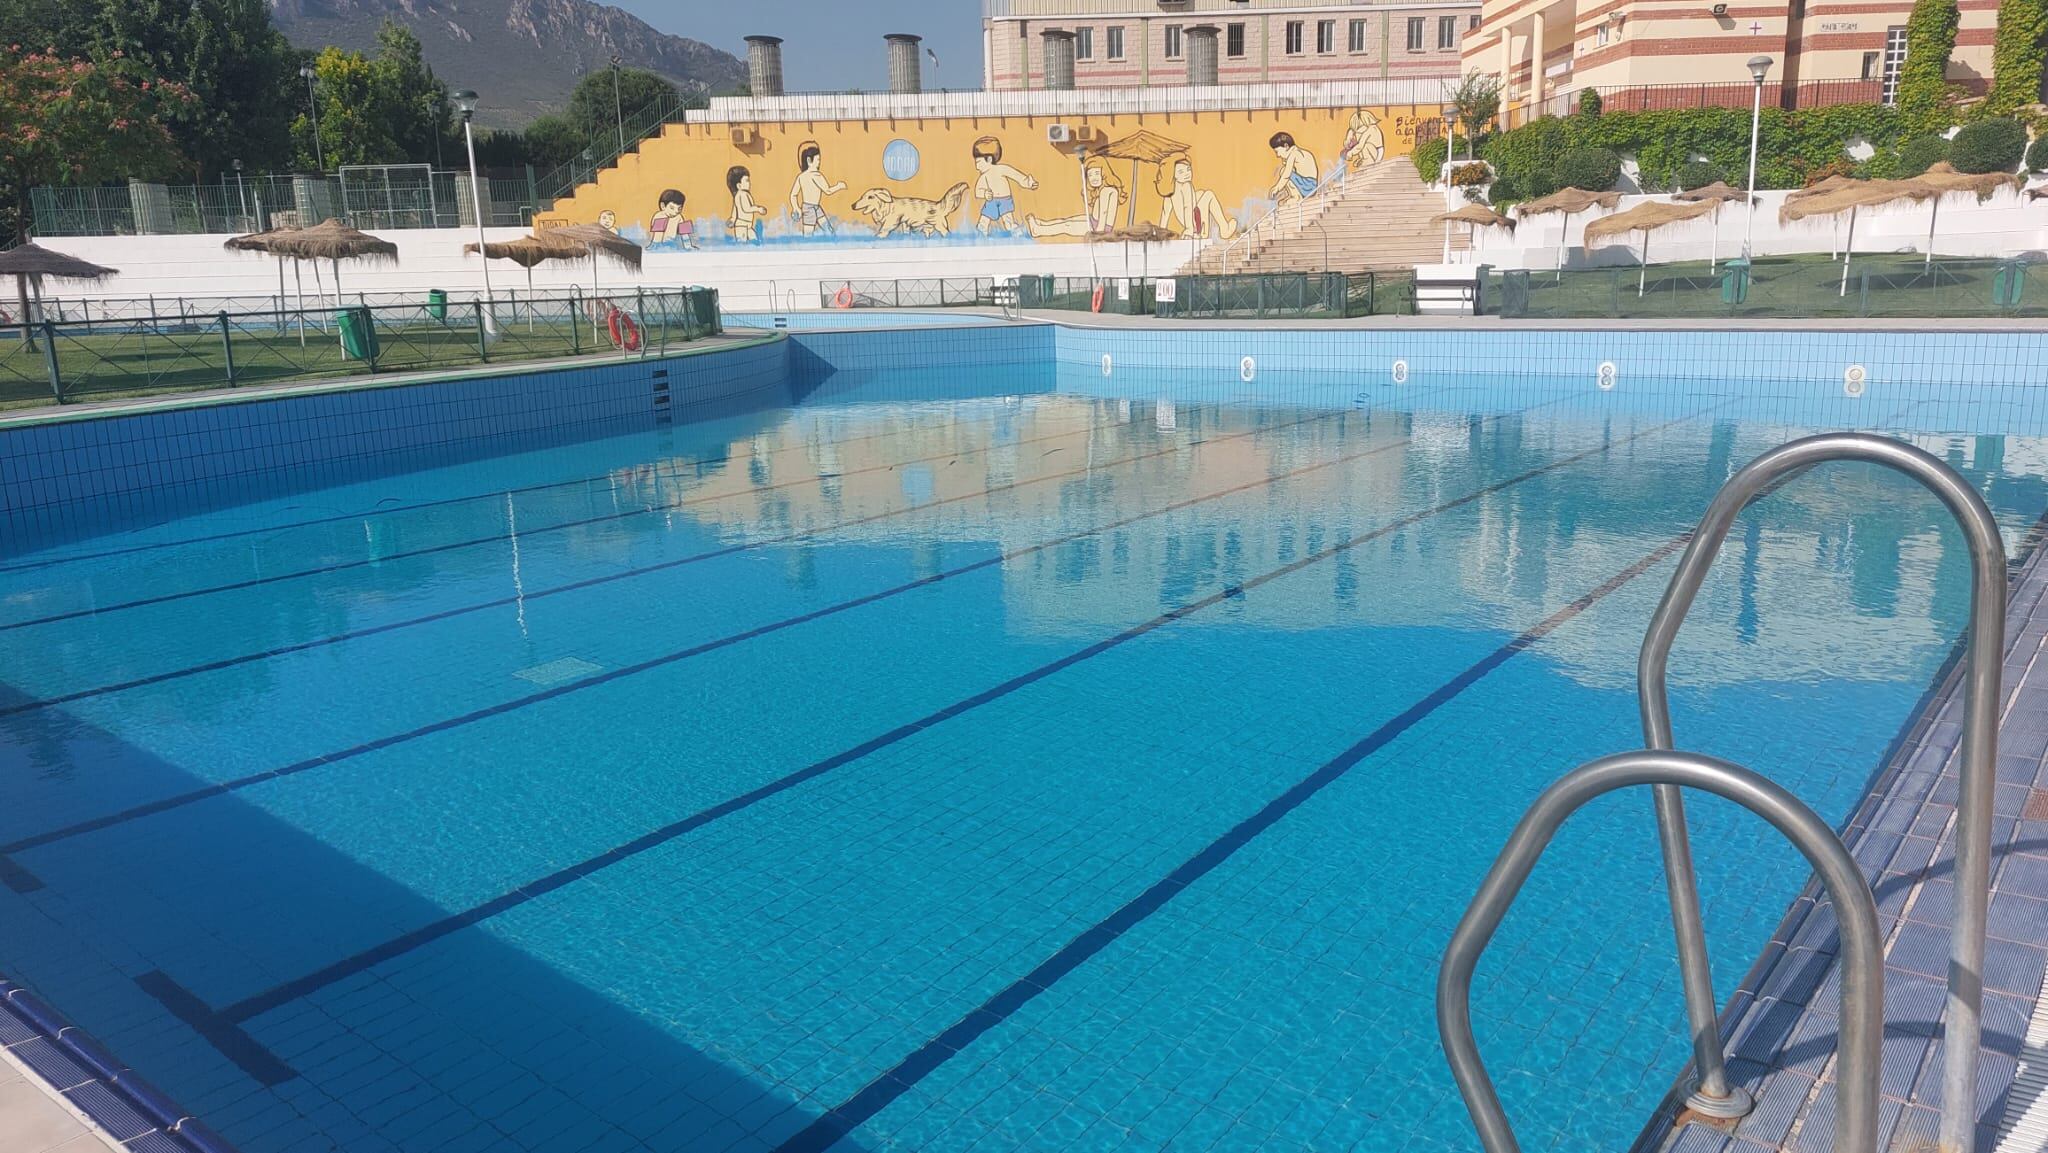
(226, 1022)
(879, 1093)
(21, 880)
(626, 573)
(473, 542)
(674, 463)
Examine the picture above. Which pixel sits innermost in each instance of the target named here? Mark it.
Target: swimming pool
(949, 760)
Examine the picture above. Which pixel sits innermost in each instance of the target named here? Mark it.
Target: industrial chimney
(1201, 50)
(764, 65)
(1059, 59)
(906, 73)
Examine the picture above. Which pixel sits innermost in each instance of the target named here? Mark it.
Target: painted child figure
(669, 225)
(1298, 176)
(992, 186)
(807, 195)
(748, 218)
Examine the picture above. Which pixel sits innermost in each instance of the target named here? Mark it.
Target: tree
(355, 117)
(75, 121)
(417, 100)
(238, 67)
(2017, 55)
(1923, 78)
(1476, 96)
(552, 141)
(594, 112)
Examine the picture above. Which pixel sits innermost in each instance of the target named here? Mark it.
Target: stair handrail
(1334, 179)
(1963, 1029)
(647, 120)
(1861, 1023)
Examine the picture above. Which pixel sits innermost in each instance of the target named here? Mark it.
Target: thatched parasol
(1946, 181)
(1570, 202)
(1146, 147)
(266, 242)
(527, 251)
(1851, 196)
(31, 262)
(592, 242)
(1477, 216)
(1719, 193)
(1646, 218)
(334, 241)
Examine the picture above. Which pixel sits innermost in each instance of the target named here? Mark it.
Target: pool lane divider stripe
(474, 542)
(366, 514)
(529, 596)
(878, 1094)
(21, 880)
(223, 1027)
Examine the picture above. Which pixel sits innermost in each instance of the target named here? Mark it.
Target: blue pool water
(1021, 769)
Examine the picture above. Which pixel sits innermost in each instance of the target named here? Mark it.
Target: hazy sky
(832, 45)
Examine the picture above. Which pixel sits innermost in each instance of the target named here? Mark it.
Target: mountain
(522, 56)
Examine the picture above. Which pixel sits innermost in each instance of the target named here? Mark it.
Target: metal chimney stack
(1201, 50)
(764, 65)
(1059, 59)
(906, 72)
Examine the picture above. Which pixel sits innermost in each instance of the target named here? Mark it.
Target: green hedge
(1698, 174)
(1918, 155)
(1989, 146)
(1794, 145)
(2037, 155)
(1429, 159)
(1923, 78)
(2017, 55)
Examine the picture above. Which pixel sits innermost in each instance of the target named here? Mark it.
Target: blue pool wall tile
(64, 478)
(920, 363)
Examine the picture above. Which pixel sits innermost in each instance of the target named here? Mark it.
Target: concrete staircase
(1377, 218)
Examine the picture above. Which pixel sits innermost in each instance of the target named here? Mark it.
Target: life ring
(844, 297)
(625, 333)
(1095, 302)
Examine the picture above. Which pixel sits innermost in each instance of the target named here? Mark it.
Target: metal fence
(364, 198)
(1886, 285)
(1281, 294)
(934, 292)
(1673, 97)
(126, 354)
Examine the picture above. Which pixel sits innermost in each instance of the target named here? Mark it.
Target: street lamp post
(466, 100)
(618, 109)
(313, 107)
(242, 192)
(1759, 67)
(1451, 132)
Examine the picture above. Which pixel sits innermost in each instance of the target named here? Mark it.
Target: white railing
(1078, 103)
(1274, 220)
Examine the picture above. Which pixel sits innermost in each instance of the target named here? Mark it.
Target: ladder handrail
(1963, 1031)
(1861, 1025)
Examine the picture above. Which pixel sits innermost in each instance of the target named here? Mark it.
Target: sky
(832, 45)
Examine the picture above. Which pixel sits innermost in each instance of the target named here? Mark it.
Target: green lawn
(1881, 285)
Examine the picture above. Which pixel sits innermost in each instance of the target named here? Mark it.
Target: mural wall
(981, 180)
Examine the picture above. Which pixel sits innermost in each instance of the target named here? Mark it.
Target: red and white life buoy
(844, 297)
(625, 333)
(1095, 302)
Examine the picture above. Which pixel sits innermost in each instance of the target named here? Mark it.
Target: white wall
(2007, 225)
(197, 266)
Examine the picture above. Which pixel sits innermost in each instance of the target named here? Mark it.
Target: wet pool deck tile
(1781, 1023)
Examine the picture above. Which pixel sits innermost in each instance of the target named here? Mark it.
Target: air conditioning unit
(1088, 137)
(745, 137)
(1058, 134)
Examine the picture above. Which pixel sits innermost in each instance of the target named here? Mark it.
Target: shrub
(1429, 159)
(1697, 174)
(1989, 146)
(2017, 55)
(1505, 192)
(1842, 167)
(1918, 154)
(2037, 155)
(1589, 102)
(1471, 175)
(1593, 169)
(1923, 78)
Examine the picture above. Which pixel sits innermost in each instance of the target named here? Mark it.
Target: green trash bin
(2008, 284)
(704, 308)
(437, 304)
(1735, 282)
(358, 334)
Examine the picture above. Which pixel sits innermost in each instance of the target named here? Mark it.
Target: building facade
(1682, 53)
(1145, 43)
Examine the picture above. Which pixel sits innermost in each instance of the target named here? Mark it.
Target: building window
(1447, 32)
(1084, 43)
(1894, 59)
(1233, 40)
(1357, 40)
(1294, 37)
(1415, 34)
(1600, 35)
(1472, 25)
(1870, 60)
(1113, 41)
(1173, 41)
(1326, 36)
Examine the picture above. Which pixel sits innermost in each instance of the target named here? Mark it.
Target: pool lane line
(21, 880)
(223, 1027)
(473, 542)
(75, 695)
(340, 518)
(841, 1120)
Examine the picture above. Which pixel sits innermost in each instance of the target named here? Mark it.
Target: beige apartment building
(1690, 53)
(1145, 43)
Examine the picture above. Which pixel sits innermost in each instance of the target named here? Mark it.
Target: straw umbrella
(265, 242)
(31, 262)
(1141, 147)
(1819, 187)
(334, 241)
(592, 241)
(1852, 196)
(527, 251)
(1478, 216)
(1645, 218)
(1719, 194)
(1570, 202)
(1944, 178)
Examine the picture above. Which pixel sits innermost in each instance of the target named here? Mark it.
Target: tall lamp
(1451, 132)
(466, 100)
(313, 106)
(1759, 67)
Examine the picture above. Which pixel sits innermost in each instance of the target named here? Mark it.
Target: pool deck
(1781, 1023)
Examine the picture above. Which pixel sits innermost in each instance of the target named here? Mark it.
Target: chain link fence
(399, 197)
(1892, 285)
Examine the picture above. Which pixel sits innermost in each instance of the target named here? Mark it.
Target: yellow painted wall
(1229, 153)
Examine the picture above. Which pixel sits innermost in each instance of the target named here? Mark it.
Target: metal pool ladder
(1668, 772)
